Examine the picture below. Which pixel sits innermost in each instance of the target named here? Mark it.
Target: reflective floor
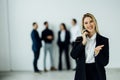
(112, 74)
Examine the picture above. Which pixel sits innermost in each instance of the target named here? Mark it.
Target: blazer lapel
(98, 40)
(65, 35)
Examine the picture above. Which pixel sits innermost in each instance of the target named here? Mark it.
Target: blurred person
(75, 32)
(63, 44)
(91, 51)
(36, 40)
(48, 37)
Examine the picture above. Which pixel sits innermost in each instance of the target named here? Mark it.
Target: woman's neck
(91, 34)
(63, 30)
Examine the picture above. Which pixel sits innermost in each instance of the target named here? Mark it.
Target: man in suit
(63, 43)
(36, 40)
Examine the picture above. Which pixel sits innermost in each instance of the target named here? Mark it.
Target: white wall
(23, 12)
(4, 37)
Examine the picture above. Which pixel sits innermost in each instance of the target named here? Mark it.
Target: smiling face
(89, 24)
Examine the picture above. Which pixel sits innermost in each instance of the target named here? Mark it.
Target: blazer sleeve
(69, 37)
(103, 57)
(58, 40)
(33, 35)
(78, 48)
(43, 36)
(52, 34)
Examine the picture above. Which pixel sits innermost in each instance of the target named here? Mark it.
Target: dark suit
(35, 47)
(101, 60)
(64, 46)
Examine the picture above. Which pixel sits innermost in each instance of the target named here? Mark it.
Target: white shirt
(62, 35)
(75, 32)
(89, 49)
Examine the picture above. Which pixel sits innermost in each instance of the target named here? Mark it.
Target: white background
(17, 16)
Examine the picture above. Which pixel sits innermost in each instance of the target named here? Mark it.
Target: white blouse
(75, 32)
(89, 49)
(62, 35)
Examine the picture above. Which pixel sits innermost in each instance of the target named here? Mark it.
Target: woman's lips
(90, 28)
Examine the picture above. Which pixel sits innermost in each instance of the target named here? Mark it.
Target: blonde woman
(91, 51)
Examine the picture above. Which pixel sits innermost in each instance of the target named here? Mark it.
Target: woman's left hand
(97, 49)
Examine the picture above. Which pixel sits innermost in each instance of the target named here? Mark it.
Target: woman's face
(61, 27)
(89, 24)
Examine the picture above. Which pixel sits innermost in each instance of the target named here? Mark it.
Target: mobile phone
(85, 31)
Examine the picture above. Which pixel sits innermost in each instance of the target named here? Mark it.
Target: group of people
(89, 48)
(65, 38)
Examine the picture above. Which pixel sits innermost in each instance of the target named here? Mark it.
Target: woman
(91, 51)
(63, 43)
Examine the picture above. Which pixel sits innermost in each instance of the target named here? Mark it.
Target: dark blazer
(67, 38)
(36, 40)
(101, 60)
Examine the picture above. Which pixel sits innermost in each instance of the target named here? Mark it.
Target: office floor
(112, 74)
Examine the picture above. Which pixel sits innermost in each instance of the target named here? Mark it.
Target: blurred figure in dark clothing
(63, 43)
(48, 37)
(36, 40)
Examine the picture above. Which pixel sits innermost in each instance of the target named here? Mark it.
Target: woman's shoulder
(101, 37)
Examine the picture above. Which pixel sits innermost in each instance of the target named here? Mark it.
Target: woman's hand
(84, 33)
(97, 49)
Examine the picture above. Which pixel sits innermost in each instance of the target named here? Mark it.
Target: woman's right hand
(84, 33)
(97, 49)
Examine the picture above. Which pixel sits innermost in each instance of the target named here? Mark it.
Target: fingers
(84, 32)
(98, 48)
(101, 46)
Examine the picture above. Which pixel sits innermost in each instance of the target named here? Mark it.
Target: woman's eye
(86, 23)
(91, 21)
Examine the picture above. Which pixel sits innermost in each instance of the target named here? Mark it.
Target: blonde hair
(94, 20)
